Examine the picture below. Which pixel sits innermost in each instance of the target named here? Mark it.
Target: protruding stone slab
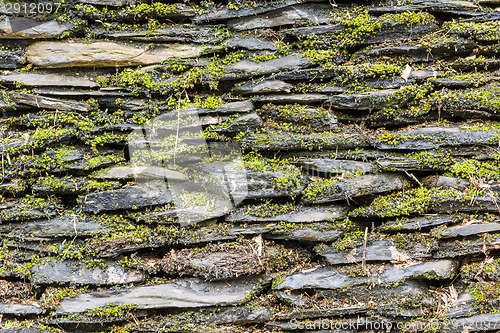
(282, 142)
(263, 87)
(77, 272)
(321, 192)
(327, 166)
(445, 182)
(19, 309)
(300, 215)
(432, 137)
(44, 102)
(127, 198)
(471, 229)
(291, 99)
(415, 223)
(189, 293)
(56, 227)
(331, 279)
(23, 27)
(106, 54)
(247, 68)
(310, 13)
(227, 13)
(48, 80)
(363, 101)
(128, 172)
(12, 59)
(249, 43)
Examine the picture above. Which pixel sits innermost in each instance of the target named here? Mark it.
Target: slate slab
(188, 293)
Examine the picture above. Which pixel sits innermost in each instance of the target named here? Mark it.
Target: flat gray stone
(128, 172)
(331, 279)
(172, 34)
(127, 198)
(44, 102)
(291, 99)
(106, 54)
(354, 187)
(263, 87)
(188, 293)
(451, 47)
(415, 223)
(470, 229)
(246, 123)
(445, 182)
(56, 227)
(369, 100)
(438, 6)
(328, 166)
(432, 137)
(247, 68)
(12, 59)
(249, 43)
(24, 28)
(244, 106)
(77, 272)
(300, 14)
(20, 309)
(375, 251)
(225, 13)
(48, 80)
(303, 215)
(291, 142)
(304, 233)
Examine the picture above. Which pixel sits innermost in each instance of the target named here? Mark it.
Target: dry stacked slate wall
(368, 117)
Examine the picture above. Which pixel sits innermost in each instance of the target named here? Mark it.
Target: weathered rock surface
(300, 215)
(432, 137)
(375, 251)
(182, 294)
(246, 68)
(285, 142)
(78, 273)
(104, 54)
(20, 309)
(329, 166)
(48, 80)
(353, 187)
(310, 13)
(23, 27)
(56, 227)
(129, 197)
(291, 128)
(416, 223)
(12, 59)
(263, 87)
(127, 172)
(470, 229)
(331, 279)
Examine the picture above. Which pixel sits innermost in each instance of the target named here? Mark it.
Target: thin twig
(363, 263)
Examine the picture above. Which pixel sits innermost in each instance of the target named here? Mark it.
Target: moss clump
(489, 270)
(67, 185)
(413, 201)
(350, 240)
(324, 187)
(483, 31)
(487, 170)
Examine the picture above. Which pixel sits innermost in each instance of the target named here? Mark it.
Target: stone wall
(368, 138)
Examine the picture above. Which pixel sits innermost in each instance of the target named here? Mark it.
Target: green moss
(413, 201)
(322, 186)
(350, 240)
